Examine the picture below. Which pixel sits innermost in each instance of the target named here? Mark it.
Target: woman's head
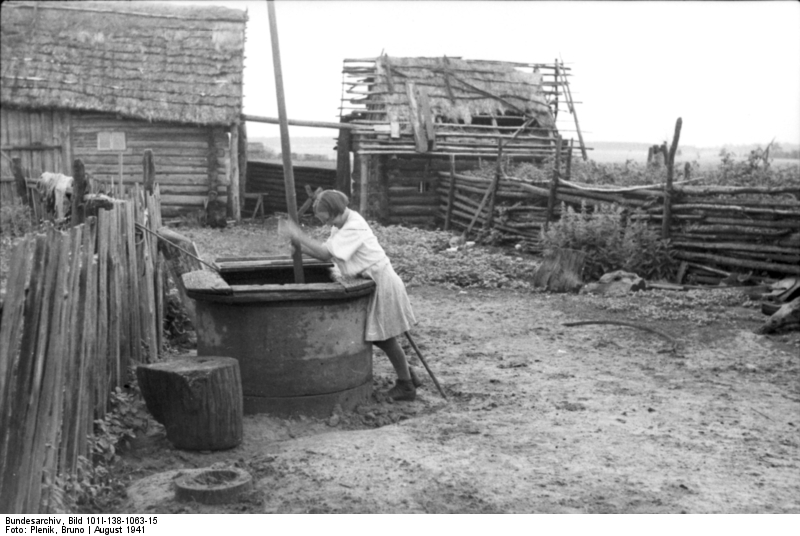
(330, 204)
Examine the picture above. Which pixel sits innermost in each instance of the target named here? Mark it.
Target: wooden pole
(568, 171)
(78, 191)
(362, 207)
(667, 219)
(148, 171)
(450, 193)
(301, 123)
(234, 194)
(288, 173)
(343, 162)
(551, 199)
(19, 179)
(575, 115)
(498, 173)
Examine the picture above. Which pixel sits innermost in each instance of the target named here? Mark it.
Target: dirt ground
(540, 418)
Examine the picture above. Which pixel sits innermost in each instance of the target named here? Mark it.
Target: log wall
(49, 140)
(267, 178)
(180, 153)
(403, 189)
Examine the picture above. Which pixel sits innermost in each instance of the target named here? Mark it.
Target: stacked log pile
(737, 229)
(717, 231)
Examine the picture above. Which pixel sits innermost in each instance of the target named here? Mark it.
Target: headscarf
(332, 202)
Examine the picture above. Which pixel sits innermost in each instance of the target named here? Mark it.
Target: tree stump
(198, 400)
(561, 271)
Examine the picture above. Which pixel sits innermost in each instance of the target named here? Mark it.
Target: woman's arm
(308, 245)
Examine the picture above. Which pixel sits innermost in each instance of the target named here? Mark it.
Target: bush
(612, 239)
(15, 220)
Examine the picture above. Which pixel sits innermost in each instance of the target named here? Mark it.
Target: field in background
(602, 152)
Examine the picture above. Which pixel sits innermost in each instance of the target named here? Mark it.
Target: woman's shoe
(403, 390)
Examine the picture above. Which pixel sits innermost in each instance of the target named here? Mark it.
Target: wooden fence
(81, 306)
(716, 231)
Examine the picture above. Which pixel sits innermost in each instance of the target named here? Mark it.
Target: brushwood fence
(81, 306)
(715, 230)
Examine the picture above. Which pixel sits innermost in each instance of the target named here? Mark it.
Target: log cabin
(104, 81)
(411, 118)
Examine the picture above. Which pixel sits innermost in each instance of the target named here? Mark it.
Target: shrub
(612, 239)
(15, 219)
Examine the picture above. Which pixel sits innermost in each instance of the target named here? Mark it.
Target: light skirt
(390, 311)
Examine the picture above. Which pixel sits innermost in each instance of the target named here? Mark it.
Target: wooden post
(575, 115)
(667, 219)
(551, 199)
(383, 188)
(78, 191)
(568, 171)
(148, 171)
(288, 172)
(451, 192)
(242, 153)
(498, 172)
(19, 179)
(343, 162)
(234, 199)
(362, 207)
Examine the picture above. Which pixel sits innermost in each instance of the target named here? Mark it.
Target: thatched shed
(103, 81)
(411, 116)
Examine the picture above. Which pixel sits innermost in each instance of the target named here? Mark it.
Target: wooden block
(198, 400)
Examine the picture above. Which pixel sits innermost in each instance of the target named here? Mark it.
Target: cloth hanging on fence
(53, 187)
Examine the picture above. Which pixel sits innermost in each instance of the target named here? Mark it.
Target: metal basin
(300, 348)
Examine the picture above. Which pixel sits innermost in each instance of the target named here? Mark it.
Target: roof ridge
(61, 6)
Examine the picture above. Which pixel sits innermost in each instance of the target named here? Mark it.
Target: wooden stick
(551, 200)
(451, 189)
(628, 324)
(288, 173)
(425, 364)
(667, 219)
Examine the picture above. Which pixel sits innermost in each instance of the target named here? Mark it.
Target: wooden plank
(12, 487)
(101, 377)
(427, 119)
(69, 429)
(89, 342)
(30, 471)
(48, 413)
(147, 299)
(115, 299)
(417, 122)
(136, 319)
(11, 330)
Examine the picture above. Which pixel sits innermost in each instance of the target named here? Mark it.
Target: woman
(355, 251)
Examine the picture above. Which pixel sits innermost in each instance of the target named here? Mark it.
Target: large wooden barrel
(300, 348)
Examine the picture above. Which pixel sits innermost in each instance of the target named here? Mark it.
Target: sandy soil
(541, 418)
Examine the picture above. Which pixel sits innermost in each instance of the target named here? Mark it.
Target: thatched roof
(457, 89)
(143, 60)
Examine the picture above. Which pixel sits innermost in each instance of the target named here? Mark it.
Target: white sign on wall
(111, 141)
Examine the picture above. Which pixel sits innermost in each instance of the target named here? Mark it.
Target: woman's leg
(397, 356)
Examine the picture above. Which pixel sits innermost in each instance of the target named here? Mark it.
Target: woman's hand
(289, 229)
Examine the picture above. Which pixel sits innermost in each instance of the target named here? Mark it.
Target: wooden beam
(288, 173)
(299, 122)
(234, 199)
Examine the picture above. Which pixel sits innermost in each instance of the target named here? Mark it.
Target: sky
(730, 70)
